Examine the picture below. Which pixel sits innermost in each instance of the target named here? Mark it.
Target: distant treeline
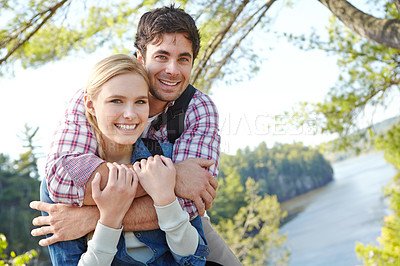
(285, 170)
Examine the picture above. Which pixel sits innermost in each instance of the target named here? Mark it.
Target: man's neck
(156, 106)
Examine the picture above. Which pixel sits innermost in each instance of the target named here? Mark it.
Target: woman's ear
(89, 104)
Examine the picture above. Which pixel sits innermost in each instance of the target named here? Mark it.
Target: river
(332, 219)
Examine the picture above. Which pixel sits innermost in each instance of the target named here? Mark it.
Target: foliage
(285, 170)
(227, 30)
(253, 233)
(231, 194)
(245, 214)
(13, 259)
(388, 252)
(390, 143)
(41, 31)
(369, 74)
(19, 185)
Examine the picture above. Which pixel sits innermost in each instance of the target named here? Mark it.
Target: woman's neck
(118, 153)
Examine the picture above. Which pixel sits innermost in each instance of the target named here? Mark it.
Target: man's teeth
(126, 127)
(169, 83)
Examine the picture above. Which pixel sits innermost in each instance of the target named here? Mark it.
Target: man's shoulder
(76, 107)
(77, 98)
(202, 100)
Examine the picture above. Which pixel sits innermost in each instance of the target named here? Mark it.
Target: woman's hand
(116, 198)
(157, 177)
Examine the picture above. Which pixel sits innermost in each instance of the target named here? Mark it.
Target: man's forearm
(103, 170)
(141, 216)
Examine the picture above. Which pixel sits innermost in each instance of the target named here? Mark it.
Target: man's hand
(64, 222)
(195, 182)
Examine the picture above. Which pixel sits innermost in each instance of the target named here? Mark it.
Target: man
(167, 43)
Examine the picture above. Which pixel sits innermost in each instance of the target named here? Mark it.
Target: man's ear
(89, 104)
(139, 57)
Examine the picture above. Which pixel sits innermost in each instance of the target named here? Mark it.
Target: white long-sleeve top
(182, 238)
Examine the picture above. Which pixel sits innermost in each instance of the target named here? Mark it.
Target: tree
(19, 185)
(39, 31)
(46, 31)
(285, 170)
(388, 251)
(253, 233)
(230, 197)
(369, 74)
(382, 31)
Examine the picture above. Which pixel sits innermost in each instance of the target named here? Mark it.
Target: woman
(116, 101)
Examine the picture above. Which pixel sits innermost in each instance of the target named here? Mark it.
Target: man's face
(168, 65)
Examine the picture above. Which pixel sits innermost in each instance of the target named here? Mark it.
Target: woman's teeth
(125, 127)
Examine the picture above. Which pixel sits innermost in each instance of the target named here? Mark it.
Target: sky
(38, 96)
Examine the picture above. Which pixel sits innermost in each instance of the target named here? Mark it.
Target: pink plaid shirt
(73, 158)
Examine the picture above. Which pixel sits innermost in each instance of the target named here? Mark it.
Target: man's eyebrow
(167, 53)
(186, 54)
(162, 52)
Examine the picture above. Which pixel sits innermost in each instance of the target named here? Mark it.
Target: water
(332, 219)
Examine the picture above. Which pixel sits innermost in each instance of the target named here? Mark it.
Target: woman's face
(121, 108)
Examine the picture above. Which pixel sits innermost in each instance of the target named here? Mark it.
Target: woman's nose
(130, 112)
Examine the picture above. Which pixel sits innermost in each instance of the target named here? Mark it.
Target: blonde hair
(102, 72)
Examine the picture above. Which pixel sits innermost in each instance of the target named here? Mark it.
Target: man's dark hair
(166, 19)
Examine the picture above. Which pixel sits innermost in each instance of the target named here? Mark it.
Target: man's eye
(141, 102)
(184, 59)
(162, 57)
(116, 101)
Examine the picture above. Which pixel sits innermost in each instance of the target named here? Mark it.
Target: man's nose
(172, 68)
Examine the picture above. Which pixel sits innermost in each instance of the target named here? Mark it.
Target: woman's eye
(141, 102)
(116, 101)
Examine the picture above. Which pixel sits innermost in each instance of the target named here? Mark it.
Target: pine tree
(19, 184)
(253, 233)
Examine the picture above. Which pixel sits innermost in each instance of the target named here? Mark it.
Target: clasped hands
(193, 182)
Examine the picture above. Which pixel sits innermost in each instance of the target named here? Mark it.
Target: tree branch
(215, 42)
(52, 10)
(382, 31)
(397, 4)
(228, 55)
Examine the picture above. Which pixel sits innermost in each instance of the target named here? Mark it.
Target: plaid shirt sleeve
(72, 157)
(200, 139)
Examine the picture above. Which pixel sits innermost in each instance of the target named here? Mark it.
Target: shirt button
(154, 250)
(138, 235)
